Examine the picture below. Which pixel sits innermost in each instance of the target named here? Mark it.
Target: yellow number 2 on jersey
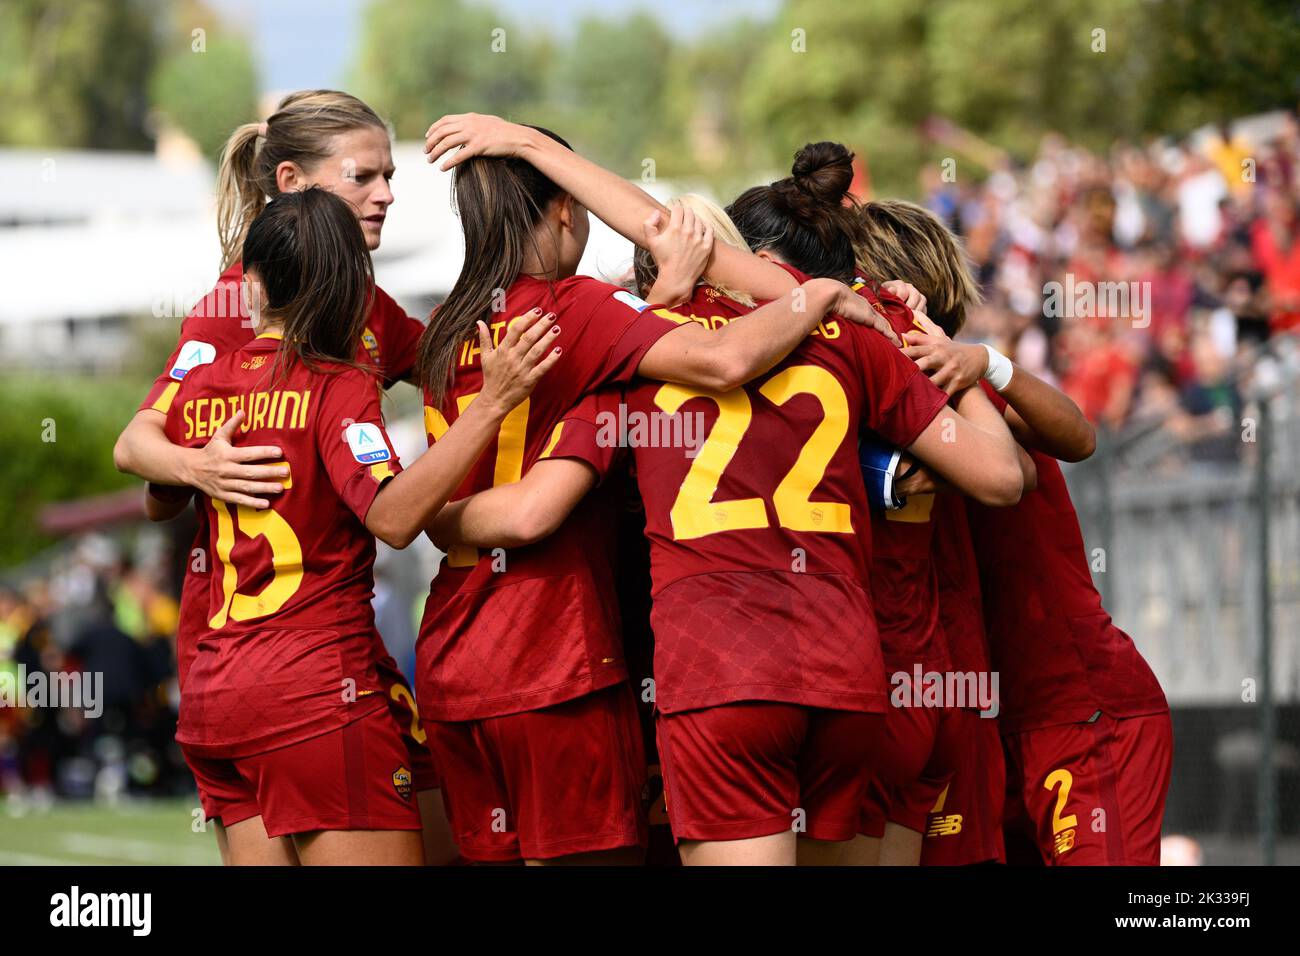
(695, 513)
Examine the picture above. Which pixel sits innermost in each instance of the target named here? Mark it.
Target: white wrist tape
(999, 371)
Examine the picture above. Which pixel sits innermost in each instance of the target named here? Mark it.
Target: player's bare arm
(517, 514)
(219, 469)
(623, 206)
(973, 451)
(729, 357)
(1040, 416)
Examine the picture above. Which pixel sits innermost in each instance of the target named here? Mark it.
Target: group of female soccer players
(826, 519)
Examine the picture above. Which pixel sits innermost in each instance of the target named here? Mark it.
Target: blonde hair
(724, 230)
(301, 131)
(902, 240)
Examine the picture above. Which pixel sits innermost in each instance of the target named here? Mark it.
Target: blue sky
(309, 43)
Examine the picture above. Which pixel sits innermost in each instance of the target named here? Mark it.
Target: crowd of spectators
(1156, 284)
(96, 614)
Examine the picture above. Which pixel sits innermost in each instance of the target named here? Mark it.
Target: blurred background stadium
(1147, 142)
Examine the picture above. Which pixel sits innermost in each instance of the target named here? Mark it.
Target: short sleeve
(589, 432)
(197, 347)
(163, 390)
(353, 444)
(175, 425)
(613, 335)
(396, 338)
(901, 401)
(216, 325)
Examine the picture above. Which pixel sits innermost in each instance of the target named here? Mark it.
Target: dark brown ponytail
(307, 250)
(808, 219)
(499, 202)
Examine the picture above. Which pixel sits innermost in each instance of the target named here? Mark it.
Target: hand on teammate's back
(527, 351)
(225, 471)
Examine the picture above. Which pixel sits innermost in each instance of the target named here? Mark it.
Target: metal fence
(1196, 551)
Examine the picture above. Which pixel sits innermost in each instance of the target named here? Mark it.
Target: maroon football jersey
(961, 609)
(1059, 656)
(904, 585)
(289, 643)
(218, 325)
(758, 521)
(504, 633)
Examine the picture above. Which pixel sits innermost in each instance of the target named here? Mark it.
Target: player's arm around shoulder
(518, 514)
(1038, 414)
(220, 469)
(579, 455)
(407, 504)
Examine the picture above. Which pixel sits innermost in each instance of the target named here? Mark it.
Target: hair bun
(824, 171)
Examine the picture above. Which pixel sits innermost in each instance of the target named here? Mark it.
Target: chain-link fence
(1195, 548)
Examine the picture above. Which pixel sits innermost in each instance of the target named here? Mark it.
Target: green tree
(75, 73)
(207, 87)
(610, 85)
(1010, 71)
(60, 447)
(855, 73)
(420, 59)
(701, 132)
(1220, 60)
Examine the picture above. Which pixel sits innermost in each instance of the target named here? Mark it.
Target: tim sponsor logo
(973, 690)
(72, 909)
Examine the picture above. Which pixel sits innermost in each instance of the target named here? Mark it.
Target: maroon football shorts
(915, 763)
(965, 823)
(355, 778)
(755, 768)
(545, 783)
(1093, 794)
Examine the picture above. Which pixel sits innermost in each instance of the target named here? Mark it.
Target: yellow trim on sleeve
(164, 402)
(677, 317)
(555, 440)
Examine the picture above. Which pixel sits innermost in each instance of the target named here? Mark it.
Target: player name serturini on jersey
(273, 409)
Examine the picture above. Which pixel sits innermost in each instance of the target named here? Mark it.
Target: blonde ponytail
(239, 198)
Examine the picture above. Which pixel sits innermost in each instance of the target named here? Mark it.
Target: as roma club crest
(402, 782)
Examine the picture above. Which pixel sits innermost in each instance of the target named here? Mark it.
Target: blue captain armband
(879, 471)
